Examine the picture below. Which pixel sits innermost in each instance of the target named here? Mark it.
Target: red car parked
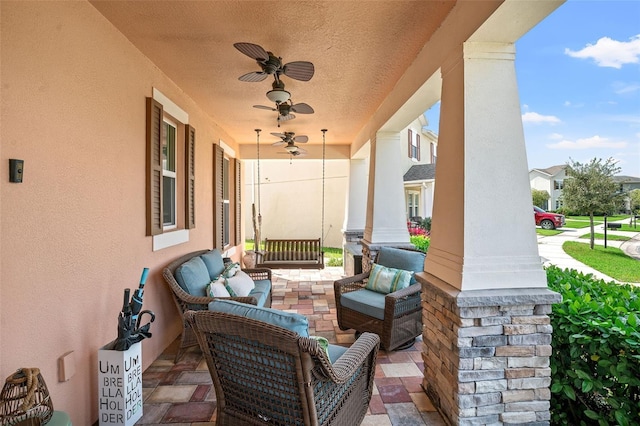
(547, 220)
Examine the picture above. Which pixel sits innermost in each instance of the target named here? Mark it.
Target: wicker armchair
(185, 301)
(401, 321)
(265, 374)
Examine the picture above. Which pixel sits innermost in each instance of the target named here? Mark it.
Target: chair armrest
(257, 274)
(401, 301)
(348, 284)
(345, 367)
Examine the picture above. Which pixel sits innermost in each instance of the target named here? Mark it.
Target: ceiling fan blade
(301, 151)
(253, 77)
(287, 117)
(301, 139)
(253, 51)
(264, 107)
(279, 135)
(299, 70)
(279, 143)
(302, 108)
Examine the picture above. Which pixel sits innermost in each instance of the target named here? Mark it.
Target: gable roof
(553, 170)
(420, 172)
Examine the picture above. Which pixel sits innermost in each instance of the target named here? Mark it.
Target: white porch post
(356, 205)
(386, 222)
(483, 235)
(487, 333)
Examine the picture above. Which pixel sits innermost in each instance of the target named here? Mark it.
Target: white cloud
(555, 136)
(534, 117)
(587, 143)
(610, 53)
(621, 88)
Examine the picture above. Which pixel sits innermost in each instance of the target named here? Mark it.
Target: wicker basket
(25, 399)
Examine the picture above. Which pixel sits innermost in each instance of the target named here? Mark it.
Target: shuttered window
(418, 146)
(163, 181)
(218, 197)
(238, 202)
(410, 144)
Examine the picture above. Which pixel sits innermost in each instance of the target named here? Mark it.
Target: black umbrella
(129, 329)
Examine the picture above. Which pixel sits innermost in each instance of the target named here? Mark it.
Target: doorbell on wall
(15, 170)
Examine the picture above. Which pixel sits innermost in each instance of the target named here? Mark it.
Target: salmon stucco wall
(73, 233)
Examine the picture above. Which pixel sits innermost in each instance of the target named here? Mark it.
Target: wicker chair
(401, 321)
(265, 374)
(185, 301)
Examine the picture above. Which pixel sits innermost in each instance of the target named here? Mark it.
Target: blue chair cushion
(289, 320)
(214, 262)
(193, 277)
(365, 301)
(335, 352)
(408, 260)
(261, 291)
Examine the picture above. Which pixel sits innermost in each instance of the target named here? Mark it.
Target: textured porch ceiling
(359, 48)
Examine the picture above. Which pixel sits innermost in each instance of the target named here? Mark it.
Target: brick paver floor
(182, 394)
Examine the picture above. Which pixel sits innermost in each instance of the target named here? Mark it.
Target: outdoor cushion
(217, 289)
(215, 265)
(261, 291)
(240, 284)
(387, 280)
(365, 301)
(392, 257)
(230, 269)
(193, 277)
(289, 320)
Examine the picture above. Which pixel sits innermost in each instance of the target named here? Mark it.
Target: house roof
(420, 172)
(626, 179)
(553, 170)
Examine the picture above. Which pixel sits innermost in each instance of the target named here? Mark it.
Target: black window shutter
(238, 221)
(218, 221)
(190, 177)
(154, 167)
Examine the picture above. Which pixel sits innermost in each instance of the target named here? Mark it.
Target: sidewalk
(550, 248)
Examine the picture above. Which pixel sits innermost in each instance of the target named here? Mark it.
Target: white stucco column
(386, 219)
(483, 236)
(356, 203)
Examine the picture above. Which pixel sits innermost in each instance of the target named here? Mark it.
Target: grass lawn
(610, 261)
(610, 237)
(598, 218)
(577, 224)
(627, 227)
(547, 232)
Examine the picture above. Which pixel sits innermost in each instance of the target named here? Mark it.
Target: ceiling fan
(289, 139)
(286, 109)
(272, 65)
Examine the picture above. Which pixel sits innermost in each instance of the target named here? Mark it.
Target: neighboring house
(419, 168)
(627, 184)
(551, 180)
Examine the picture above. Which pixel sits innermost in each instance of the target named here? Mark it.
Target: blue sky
(579, 80)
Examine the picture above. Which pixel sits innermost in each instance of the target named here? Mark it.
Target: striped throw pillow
(387, 280)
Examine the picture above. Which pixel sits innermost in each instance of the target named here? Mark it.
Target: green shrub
(595, 366)
(420, 241)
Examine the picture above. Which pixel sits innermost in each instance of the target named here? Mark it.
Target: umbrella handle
(150, 313)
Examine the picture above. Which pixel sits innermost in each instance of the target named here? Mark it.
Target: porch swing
(289, 253)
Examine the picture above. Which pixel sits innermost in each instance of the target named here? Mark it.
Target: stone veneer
(486, 353)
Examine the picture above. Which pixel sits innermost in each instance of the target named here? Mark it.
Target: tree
(540, 197)
(634, 196)
(590, 188)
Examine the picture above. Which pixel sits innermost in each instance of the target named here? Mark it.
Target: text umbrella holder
(129, 329)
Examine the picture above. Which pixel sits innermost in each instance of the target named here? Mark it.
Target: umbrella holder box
(120, 385)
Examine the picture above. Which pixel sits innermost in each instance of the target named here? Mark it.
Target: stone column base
(486, 353)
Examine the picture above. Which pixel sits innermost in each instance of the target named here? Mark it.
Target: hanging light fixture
(278, 94)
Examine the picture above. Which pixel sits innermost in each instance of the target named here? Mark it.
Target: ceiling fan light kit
(278, 95)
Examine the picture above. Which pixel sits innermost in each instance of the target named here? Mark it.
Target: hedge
(595, 365)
